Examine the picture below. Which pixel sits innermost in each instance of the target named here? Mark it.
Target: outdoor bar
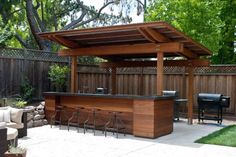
(133, 45)
(146, 116)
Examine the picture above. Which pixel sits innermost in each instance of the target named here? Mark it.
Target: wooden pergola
(123, 44)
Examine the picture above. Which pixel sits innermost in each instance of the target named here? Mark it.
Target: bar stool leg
(60, 121)
(85, 126)
(74, 114)
(94, 123)
(78, 123)
(53, 118)
(124, 129)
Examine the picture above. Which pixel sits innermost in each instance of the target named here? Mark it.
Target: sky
(99, 3)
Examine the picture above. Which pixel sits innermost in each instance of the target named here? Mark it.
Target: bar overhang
(178, 63)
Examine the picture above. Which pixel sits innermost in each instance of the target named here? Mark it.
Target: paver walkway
(52, 142)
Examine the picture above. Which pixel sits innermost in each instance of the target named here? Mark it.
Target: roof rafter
(146, 35)
(158, 37)
(188, 54)
(65, 42)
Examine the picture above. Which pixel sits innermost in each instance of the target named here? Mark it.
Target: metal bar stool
(75, 114)
(58, 115)
(115, 124)
(91, 121)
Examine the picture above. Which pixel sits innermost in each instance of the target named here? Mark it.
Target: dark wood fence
(138, 81)
(15, 64)
(18, 64)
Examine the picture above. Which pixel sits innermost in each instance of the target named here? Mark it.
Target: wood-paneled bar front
(144, 116)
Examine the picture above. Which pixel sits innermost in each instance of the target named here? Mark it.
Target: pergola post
(113, 80)
(160, 64)
(74, 75)
(190, 94)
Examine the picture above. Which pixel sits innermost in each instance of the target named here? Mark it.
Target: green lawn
(225, 137)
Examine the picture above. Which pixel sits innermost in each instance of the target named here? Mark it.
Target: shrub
(26, 90)
(57, 75)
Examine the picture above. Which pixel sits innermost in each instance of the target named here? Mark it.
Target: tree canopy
(21, 20)
(212, 23)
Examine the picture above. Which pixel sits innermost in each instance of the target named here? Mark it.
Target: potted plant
(15, 152)
(58, 75)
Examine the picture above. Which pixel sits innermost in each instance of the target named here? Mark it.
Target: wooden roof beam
(188, 54)
(156, 36)
(179, 63)
(148, 48)
(63, 41)
(146, 35)
(152, 35)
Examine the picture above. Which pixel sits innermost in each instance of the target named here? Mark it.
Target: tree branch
(61, 13)
(22, 42)
(140, 2)
(15, 11)
(70, 25)
(39, 21)
(55, 21)
(93, 18)
(33, 24)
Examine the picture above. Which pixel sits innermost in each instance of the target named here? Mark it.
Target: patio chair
(3, 141)
(8, 136)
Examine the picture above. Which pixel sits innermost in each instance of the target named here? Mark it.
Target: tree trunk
(42, 44)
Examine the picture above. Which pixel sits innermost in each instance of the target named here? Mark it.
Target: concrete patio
(52, 142)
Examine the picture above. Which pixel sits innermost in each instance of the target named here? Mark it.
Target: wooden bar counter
(144, 116)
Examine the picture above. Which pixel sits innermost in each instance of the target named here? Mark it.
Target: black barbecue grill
(210, 102)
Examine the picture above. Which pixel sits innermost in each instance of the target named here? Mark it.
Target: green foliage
(57, 75)
(89, 60)
(225, 137)
(20, 104)
(13, 19)
(51, 15)
(26, 90)
(227, 53)
(212, 23)
(5, 33)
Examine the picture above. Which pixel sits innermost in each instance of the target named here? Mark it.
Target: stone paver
(52, 142)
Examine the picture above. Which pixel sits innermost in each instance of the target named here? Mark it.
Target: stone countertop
(154, 97)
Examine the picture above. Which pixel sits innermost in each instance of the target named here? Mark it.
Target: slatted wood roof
(158, 35)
